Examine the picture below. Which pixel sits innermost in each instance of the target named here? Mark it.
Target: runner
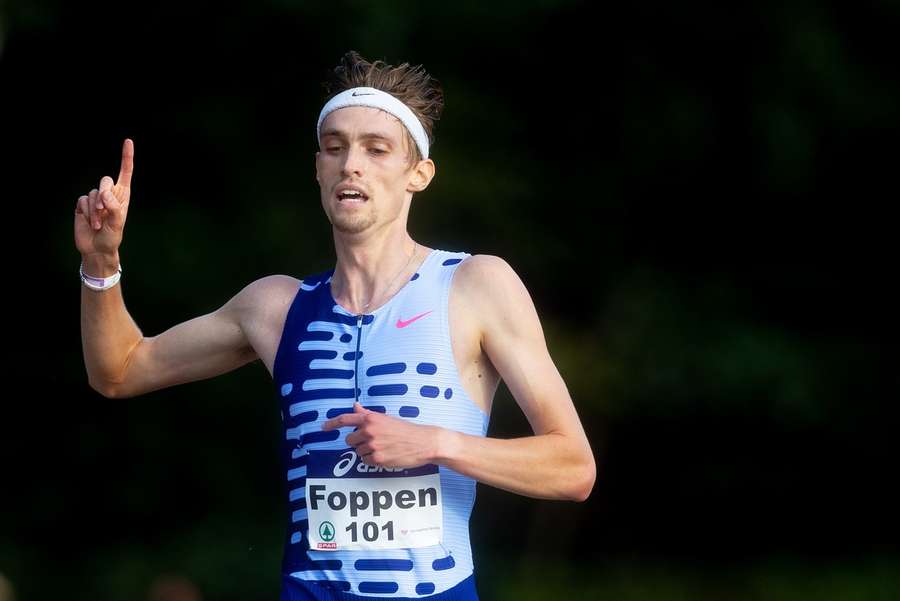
(384, 366)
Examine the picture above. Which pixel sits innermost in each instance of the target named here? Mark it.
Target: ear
(421, 176)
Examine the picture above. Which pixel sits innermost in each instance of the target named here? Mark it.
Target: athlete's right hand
(100, 214)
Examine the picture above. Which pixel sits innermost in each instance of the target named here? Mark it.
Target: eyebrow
(367, 135)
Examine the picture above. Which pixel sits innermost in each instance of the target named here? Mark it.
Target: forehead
(362, 122)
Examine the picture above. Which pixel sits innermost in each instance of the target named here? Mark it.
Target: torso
(477, 374)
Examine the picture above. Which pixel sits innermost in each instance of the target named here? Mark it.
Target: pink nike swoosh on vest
(403, 324)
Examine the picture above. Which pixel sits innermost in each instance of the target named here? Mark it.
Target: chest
(476, 374)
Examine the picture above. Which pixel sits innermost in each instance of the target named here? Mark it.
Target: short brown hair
(422, 93)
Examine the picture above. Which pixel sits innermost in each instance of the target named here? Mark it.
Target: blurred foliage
(692, 193)
(778, 579)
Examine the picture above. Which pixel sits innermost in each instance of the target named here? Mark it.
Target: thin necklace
(415, 248)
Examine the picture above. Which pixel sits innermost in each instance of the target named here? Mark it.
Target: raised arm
(108, 333)
(120, 360)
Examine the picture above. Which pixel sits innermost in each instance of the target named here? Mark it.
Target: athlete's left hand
(386, 440)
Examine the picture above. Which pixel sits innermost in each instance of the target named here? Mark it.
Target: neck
(372, 271)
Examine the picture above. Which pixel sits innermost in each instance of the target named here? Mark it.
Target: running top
(357, 531)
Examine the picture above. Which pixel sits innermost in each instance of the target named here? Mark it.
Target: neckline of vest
(433, 253)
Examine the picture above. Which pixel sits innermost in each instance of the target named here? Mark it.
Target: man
(384, 367)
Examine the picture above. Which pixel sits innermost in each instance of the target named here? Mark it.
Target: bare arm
(120, 360)
(197, 349)
(555, 463)
(108, 333)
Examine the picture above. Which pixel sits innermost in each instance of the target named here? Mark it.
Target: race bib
(351, 505)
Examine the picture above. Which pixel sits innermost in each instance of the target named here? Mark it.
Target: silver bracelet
(99, 283)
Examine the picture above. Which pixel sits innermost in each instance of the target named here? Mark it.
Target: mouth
(351, 197)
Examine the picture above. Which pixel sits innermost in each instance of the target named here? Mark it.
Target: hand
(385, 440)
(100, 214)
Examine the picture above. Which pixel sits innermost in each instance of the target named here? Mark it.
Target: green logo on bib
(326, 531)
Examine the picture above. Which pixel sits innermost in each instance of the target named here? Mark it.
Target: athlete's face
(366, 148)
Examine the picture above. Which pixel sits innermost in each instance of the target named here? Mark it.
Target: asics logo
(348, 459)
(403, 324)
(343, 466)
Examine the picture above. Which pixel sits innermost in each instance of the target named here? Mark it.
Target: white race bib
(351, 505)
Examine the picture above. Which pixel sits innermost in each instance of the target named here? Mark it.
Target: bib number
(351, 505)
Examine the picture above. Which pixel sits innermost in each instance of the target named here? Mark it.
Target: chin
(354, 226)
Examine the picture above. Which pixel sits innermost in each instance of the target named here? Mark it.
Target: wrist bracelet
(99, 283)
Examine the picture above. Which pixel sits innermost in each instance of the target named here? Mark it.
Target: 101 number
(370, 531)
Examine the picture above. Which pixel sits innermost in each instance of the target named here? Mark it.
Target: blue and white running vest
(357, 531)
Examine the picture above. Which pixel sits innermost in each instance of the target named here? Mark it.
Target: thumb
(114, 206)
(106, 182)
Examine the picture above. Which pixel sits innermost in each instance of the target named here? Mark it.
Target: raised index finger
(127, 164)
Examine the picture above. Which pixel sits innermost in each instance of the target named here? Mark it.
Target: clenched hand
(386, 440)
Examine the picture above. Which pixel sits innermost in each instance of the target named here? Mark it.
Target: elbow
(584, 482)
(105, 390)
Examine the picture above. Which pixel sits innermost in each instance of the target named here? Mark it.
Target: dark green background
(697, 197)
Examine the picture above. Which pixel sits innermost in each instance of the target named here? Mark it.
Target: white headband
(381, 100)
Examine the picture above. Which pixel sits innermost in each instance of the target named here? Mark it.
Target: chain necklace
(415, 248)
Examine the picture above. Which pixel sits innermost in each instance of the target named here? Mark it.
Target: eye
(378, 151)
(330, 148)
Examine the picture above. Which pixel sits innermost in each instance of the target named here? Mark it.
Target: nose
(353, 161)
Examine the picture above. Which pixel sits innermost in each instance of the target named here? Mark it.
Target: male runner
(384, 367)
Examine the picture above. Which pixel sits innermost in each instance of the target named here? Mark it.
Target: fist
(386, 440)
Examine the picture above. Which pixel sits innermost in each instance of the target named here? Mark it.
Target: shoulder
(503, 312)
(485, 273)
(265, 296)
(271, 287)
(490, 284)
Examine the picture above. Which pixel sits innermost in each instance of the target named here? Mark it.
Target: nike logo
(363, 94)
(403, 324)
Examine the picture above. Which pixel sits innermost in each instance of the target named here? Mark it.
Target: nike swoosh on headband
(363, 94)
